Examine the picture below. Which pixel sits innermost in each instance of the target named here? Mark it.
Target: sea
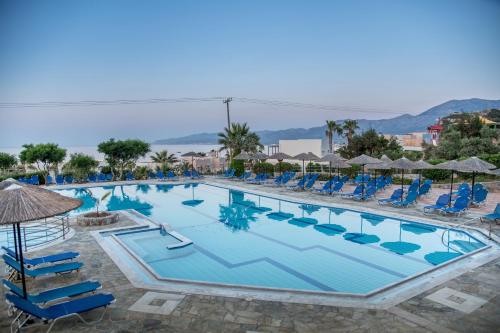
(178, 150)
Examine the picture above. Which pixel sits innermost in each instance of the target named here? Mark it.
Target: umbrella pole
(363, 182)
(23, 277)
(473, 182)
(420, 178)
(451, 189)
(303, 174)
(192, 166)
(330, 177)
(15, 240)
(402, 178)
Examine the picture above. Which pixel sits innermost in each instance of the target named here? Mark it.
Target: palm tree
(239, 138)
(331, 128)
(350, 126)
(164, 158)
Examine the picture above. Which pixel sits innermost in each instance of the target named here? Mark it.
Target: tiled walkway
(196, 313)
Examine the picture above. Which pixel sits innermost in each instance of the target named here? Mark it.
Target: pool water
(245, 239)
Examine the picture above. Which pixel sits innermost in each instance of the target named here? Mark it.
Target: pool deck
(464, 303)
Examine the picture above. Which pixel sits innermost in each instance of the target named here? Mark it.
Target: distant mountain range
(398, 125)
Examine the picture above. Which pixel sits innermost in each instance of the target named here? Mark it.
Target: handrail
(448, 245)
(47, 230)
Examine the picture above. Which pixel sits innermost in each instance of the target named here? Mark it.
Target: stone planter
(91, 219)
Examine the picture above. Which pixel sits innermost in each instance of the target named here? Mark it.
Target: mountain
(398, 125)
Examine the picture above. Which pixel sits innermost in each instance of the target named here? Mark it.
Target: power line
(244, 100)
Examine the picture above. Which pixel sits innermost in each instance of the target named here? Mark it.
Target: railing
(37, 233)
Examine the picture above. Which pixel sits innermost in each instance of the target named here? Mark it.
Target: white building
(295, 147)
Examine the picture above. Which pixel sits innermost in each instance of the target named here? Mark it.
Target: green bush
(285, 166)
(106, 169)
(436, 174)
(492, 158)
(141, 172)
(263, 167)
(238, 166)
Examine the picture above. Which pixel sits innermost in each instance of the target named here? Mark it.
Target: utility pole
(227, 101)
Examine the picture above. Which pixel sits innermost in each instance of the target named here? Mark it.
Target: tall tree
(121, 154)
(350, 127)
(164, 159)
(81, 165)
(7, 161)
(239, 138)
(46, 156)
(332, 128)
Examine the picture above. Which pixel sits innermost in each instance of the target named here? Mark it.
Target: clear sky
(401, 56)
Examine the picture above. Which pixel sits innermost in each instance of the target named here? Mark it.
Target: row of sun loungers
(65, 301)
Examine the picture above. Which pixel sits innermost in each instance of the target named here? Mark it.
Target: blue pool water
(246, 239)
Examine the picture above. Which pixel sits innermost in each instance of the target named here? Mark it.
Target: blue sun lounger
(369, 193)
(62, 256)
(460, 206)
(51, 295)
(356, 191)
(411, 198)
(396, 195)
(51, 314)
(324, 189)
(495, 216)
(171, 175)
(441, 202)
(45, 270)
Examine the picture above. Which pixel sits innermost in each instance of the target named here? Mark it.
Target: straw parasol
(364, 160)
(378, 166)
(404, 164)
(23, 203)
(280, 157)
(422, 165)
(385, 159)
(259, 156)
(475, 165)
(243, 156)
(303, 157)
(452, 166)
(191, 154)
(334, 161)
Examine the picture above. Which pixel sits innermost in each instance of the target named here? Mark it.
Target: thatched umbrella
(243, 156)
(422, 165)
(385, 159)
(260, 156)
(280, 157)
(452, 166)
(334, 161)
(191, 154)
(404, 164)
(364, 160)
(21, 203)
(379, 166)
(476, 165)
(303, 157)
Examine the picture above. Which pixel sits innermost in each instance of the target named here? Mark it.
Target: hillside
(397, 125)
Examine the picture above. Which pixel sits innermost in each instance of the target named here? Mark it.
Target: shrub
(141, 172)
(238, 166)
(80, 165)
(492, 158)
(285, 166)
(263, 167)
(436, 174)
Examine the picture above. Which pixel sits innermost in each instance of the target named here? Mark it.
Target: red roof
(438, 128)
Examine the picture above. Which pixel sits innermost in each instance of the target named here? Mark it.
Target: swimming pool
(240, 238)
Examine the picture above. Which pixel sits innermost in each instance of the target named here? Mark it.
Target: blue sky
(398, 56)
